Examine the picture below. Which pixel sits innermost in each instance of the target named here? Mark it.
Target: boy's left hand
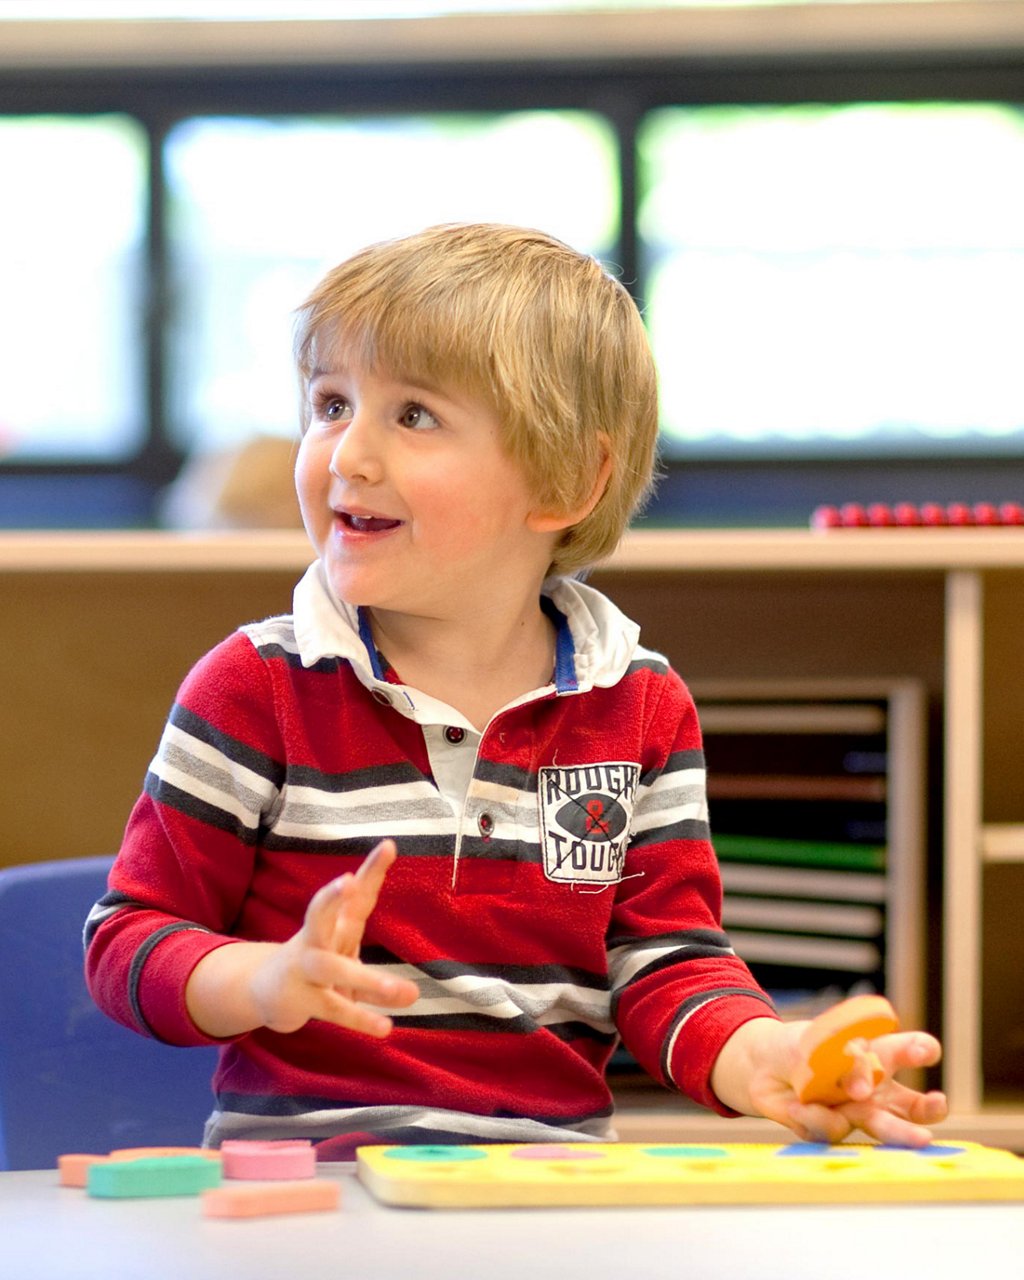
(888, 1111)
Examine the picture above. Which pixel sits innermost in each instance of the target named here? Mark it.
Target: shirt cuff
(159, 988)
(697, 1038)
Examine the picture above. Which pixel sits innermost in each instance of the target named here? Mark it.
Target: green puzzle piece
(156, 1176)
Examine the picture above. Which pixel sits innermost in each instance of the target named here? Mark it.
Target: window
(836, 278)
(260, 208)
(827, 248)
(72, 236)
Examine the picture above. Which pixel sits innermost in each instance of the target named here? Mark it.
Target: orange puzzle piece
(825, 1046)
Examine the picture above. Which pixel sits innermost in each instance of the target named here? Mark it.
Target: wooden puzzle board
(633, 1174)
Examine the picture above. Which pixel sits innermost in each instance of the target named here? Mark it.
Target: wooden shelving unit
(827, 837)
(99, 628)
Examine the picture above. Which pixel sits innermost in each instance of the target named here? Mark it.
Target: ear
(555, 522)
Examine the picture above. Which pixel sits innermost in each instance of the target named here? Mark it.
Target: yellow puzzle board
(632, 1173)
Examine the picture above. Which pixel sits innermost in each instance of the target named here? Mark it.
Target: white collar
(604, 641)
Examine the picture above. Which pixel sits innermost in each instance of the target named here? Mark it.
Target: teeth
(370, 524)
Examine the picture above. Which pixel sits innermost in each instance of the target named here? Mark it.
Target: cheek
(311, 482)
(310, 470)
(467, 512)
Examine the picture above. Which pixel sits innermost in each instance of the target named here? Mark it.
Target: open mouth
(367, 524)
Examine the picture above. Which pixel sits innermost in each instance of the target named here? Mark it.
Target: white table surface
(49, 1232)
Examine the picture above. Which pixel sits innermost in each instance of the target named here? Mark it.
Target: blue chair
(72, 1080)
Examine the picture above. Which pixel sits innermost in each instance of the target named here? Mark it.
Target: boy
(451, 784)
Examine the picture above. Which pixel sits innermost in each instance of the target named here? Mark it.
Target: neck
(476, 665)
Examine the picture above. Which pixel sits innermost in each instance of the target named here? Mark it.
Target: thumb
(318, 926)
(359, 898)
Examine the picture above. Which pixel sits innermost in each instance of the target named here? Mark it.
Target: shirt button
(454, 734)
(486, 824)
(380, 696)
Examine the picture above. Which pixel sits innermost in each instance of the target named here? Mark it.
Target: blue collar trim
(366, 635)
(565, 648)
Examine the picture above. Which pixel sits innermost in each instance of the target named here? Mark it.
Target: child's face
(410, 499)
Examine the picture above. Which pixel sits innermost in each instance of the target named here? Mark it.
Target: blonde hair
(542, 333)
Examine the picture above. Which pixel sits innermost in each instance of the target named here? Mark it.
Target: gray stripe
(328, 1121)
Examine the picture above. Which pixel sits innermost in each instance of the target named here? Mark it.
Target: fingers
(337, 913)
(359, 898)
(812, 1122)
(321, 914)
(357, 981)
(350, 994)
(330, 983)
(897, 1115)
(866, 1071)
(907, 1049)
(904, 1120)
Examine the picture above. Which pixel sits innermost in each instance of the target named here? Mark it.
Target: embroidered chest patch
(585, 812)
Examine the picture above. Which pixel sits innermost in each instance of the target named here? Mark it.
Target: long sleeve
(678, 989)
(185, 867)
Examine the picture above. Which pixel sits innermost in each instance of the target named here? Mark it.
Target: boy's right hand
(315, 974)
(318, 973)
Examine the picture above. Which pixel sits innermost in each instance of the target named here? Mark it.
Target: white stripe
(185, 755)
(652, 820)
(546, 1003)
(680, 796)
(395, 793)
(333, 1122)
(201, 790)
(279, 631)
(100, 913)
(499, 793)
(624, 963)
(671, 781)
(675, 1034)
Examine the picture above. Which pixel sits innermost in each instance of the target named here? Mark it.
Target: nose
(356, 454)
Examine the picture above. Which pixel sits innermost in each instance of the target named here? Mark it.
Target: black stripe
(684, 829)
(520, 1026)
(359, 845)
(670, 961)
(299, 1105)
(506, 775)
(139, 960)
(429, 846)
(680, 937)
(488, 1024)
(109, 899)
(238, 752)
(690, 758)
(271, 650)
(649, 662)
(399, 773)
(191, 806)
(569, 1031)
(694, 1002)
(501, 850)
(513, 974)
(677, 761)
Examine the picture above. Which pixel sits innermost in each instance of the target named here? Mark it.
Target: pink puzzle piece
(245, 1158)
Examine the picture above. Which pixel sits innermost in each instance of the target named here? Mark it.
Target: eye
(334, 409)
(417, 418)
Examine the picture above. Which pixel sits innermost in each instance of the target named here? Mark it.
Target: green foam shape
(687, 1153)
(155, 1176)
(436, 1153)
